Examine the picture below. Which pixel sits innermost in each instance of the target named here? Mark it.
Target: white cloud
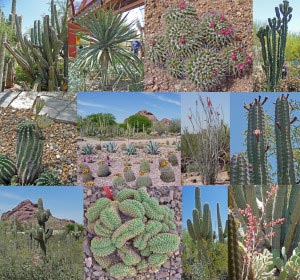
(10, 195)
(90, 104)
(163, 98)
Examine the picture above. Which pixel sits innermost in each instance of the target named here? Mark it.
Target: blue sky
(264, 9)
(123, 105)
(219, 99)
(238, 117)
(31, 10)
(64, 202)
(208, 194)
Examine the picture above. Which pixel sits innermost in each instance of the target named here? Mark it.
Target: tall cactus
(284, 151)
(239, 170)
(273, 43)
(256, 142)
(29, 152)
(40, 233)
(40, 57)
(2, 59)
(220, 228)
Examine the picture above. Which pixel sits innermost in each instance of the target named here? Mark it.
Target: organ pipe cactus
(273, 43)
(29, 152)
(40, 232)
(7, 170)
(131, 233)
(200, 227)
(255, 166)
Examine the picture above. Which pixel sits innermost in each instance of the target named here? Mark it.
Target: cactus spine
(40, 233)
(29, 152)
(273, 43)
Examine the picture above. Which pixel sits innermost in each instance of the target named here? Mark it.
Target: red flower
(240, 49)
(208, 101)
(241, 66)
(182, 5)
(108, 193)
(182, 40)
(154, 42)
(233, 56)
(214, 73)
(248, 59)
(212, 24)
(222, 17)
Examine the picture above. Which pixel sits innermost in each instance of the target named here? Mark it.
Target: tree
(141, 123)
(175, 126)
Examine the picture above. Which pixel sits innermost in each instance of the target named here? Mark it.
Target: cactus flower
(182, 5)
(182, 40)
(248, 59)
(256, 133)
(233, 56)
(214, 73)
(154, 42)
(212, 24)
(212, 12)
(222, 17)
(241, 66)
(240, 49)
(209, 103)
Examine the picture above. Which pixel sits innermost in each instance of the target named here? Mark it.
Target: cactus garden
(205, 233)
(270, 153)
(132, 233)
(37, 143)
(140, 151)
(263, 229)
(35, 58)
(276, 48)
(205, 140)
(198, 46)
(34, 244)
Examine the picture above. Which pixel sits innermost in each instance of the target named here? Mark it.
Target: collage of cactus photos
(149, 140)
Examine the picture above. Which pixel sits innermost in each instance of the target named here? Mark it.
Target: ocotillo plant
(40, 57)
(40, 232)
(254, 168)
(273, 43)
(200, 229)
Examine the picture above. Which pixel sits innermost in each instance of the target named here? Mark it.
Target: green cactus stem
(2, 58)
(7, 170)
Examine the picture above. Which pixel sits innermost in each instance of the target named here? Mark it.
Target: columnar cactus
(273, 43)
(239, 170)
(29, 152)
(7, 170)
(2, 58)
(132, 233)
(40, 232)
(284, 151)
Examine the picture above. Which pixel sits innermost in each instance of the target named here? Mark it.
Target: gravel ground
(118, 160)
(59, 145)
(172, 269)
(195, 180)
(239, 12)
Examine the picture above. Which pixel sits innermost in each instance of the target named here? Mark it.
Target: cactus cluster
(40, 232)
(41, 56)
(131, 233)
(200, 228)
(253, 169)
(201, 50)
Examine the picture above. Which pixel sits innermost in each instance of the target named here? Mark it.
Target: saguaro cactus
(40, 233)
(273, 43)
(29, 152)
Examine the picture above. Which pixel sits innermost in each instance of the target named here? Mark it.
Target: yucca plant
(103, 45)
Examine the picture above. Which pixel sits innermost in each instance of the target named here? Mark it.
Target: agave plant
(103, 46)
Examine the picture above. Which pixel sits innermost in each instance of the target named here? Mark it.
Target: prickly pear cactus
(29, 152)
(7, 170)
(132, 233)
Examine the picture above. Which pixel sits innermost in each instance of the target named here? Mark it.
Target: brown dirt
(59, 145)
(194, 179)
(172, 269)
(119, 159)
(238, 12)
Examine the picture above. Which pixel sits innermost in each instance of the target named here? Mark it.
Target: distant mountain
(151, 117)
(25, 213)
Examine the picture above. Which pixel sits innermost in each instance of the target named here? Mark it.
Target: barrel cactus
(87, 175)
(129, 174)
(157, 52)
(29, 152)
(103, 169)
(48, 178)
(172, 158)
(145, 166)
(131, 233)
(167, 174)
(143, 180)
(7, 170)
(118, 180)
(175, 67)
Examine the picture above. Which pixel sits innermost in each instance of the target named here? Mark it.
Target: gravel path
(172, 269)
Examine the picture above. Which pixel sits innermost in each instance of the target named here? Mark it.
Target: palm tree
(103, 48)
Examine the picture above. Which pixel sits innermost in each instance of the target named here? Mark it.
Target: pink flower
(214, 73)
(182, 40)
(248, 59)
(212, 24)
(222, 17)
(209, 104)
(240, 49)
(182, 5)
(241, 66)
(233, 56)
(213, 12)
(154, 42)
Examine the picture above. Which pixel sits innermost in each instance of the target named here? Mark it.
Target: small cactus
(118, 181)
(172, 158)
(48, 178)
(103, 169)
(167, 174)
(157, 52)
(129, 174)
(143, 180)
(145, 166)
